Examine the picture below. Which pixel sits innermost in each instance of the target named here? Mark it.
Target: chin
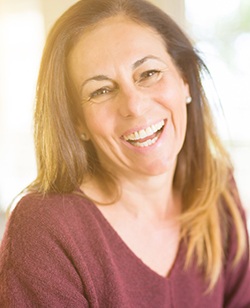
(160, 168)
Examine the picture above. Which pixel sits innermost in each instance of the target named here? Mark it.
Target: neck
(145, 197)
(152, 198)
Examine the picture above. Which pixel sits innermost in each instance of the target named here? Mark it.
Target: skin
(137, 85)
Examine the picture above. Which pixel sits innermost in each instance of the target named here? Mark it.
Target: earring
(84, 137)
(188, 99)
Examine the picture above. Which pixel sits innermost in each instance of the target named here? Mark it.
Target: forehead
(114, 40)
(116, 26)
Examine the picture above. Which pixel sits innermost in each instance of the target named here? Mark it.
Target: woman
(134, 204)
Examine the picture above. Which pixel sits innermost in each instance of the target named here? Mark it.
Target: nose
(133, 102)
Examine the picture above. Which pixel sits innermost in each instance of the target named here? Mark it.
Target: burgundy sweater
(60, 251)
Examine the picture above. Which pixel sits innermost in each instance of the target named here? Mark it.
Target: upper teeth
(143, 133)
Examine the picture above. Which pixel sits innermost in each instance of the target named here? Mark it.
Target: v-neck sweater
(60, 251)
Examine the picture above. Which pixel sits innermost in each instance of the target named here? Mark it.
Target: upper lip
(145, 132)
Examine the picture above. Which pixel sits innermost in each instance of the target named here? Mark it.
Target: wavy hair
(203, 168)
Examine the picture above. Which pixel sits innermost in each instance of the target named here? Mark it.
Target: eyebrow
(134, 66)
(141, 61)
(96, 78)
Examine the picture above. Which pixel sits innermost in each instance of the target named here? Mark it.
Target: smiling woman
(135, 85)
(134, 204)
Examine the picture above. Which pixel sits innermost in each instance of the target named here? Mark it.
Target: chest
(155, 244)
(157, 248)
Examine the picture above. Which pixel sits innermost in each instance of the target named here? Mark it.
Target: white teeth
(145, 143)
(149, 131)
(137, 136)
(143, 133)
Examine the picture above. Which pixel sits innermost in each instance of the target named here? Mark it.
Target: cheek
(171, 88)
(173, 98)
(98, 122)
(95, 128)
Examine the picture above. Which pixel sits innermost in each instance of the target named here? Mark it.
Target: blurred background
(220, 30)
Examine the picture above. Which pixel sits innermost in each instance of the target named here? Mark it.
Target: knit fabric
(60, 251)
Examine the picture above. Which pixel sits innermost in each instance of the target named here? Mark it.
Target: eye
(149, 77)
(101, 95)
(99, 92)
(149, 74)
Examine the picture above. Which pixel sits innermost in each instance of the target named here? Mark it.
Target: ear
(188, 97)
(82, 131)
(186, 89)
(188, 100)
(84, 136)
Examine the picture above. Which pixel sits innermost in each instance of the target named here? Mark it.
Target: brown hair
(203, 167)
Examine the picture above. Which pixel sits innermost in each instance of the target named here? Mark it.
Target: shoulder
(33, 208)
(43, 229)
(40, 249)
(39, 220)
(36, 202)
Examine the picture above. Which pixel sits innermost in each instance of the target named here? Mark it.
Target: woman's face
(133, 97)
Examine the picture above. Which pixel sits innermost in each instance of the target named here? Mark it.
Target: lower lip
(150, 147)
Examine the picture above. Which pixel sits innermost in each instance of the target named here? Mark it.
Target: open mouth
(145, 137)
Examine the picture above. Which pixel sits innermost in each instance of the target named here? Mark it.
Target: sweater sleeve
(237, 280)
(36, 269)
(237, 277)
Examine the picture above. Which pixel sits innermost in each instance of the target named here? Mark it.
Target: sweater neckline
(134, 258)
